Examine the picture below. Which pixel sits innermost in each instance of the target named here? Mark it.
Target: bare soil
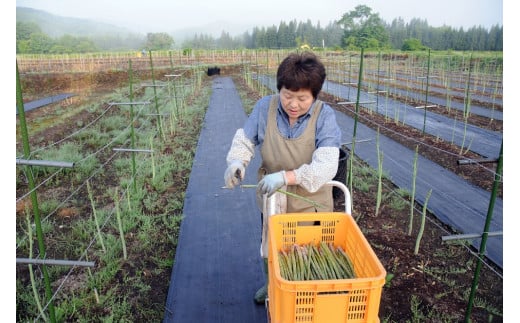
(440, 276)
(431, 286)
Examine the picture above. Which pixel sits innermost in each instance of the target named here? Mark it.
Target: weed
(150, 209)
(129, 218)
(397, 202)
(388, 279)
(482, 303)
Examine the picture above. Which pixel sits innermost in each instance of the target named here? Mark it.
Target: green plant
(423, 220)
(482, 303)
(361, 185)
(415, 303)
(388, 279)
(412, 199)
(396, 202)
(31, 271)
(94, 214)
(412, 44)
(120, 224)
(379, 174)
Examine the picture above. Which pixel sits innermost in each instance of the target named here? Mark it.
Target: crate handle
(346, 193)
(271, 205)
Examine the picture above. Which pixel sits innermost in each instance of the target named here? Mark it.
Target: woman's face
(296, 103)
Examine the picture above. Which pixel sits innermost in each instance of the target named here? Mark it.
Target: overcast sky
(169, 15)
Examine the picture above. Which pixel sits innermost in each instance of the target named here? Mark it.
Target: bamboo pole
(485, 233)
(34, 198)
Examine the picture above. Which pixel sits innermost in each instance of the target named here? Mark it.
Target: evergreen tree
(271, 37)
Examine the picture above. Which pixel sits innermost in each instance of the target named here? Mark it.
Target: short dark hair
(301, 71)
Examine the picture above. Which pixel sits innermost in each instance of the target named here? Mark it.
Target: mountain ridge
(56, 26)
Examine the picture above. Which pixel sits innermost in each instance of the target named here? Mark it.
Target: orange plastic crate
(324, 301)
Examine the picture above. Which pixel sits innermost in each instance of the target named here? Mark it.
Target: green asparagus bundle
(311, 262)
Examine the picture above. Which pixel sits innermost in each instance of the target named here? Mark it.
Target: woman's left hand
(271, 183)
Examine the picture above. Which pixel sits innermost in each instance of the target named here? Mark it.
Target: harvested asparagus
(315, 262)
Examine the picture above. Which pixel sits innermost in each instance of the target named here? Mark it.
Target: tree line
(359, 28)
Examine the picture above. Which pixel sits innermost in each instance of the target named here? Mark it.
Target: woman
(299, 142)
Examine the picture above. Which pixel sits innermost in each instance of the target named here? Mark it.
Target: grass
(119, 288)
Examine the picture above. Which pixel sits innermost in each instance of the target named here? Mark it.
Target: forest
(359, 28)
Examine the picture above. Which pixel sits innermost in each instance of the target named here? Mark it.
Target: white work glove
(234, 173)
(270, 183)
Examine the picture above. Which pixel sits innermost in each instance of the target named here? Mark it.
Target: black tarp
(217, 266)
(45, 101)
